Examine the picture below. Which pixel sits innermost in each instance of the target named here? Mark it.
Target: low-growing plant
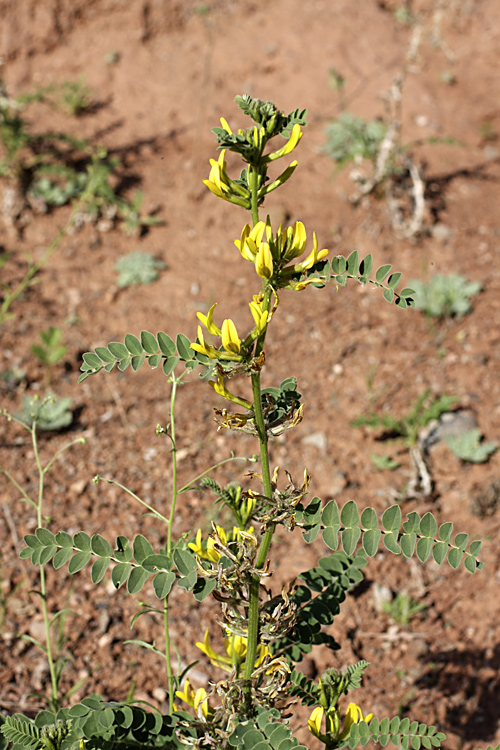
(53, 169)
(138, 268)
(49, 414)
(384, 462)
(407, 429)
(53, 622)
(51, 350)
(403, 608)
(445, 295)
(351, 138)
(469, 446)
(256, 674)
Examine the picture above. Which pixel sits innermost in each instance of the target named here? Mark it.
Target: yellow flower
(196, 699)
(220, 388)
(210, 553)
(250, 240)
(226, 127)
(264, 261)
(353, 715)
(229, 336)
(235, 647)
(218, 181)
(314, 721)
(289, 146)
(208, 321)
(295, 241)
(259, 315)
(220, 184)
(313, 257)
(203, 347)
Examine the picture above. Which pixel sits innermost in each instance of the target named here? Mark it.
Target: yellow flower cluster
(353, 715)
(197, 699)
(270, 254)
(235, 647)
(210, 553)
(228, 334)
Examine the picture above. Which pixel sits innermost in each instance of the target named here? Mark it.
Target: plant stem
(253, 184)
(168, 661)
(253, 608)
(54, 699)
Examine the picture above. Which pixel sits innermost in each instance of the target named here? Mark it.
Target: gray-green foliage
(50, 413)
(402, 608)
(351, 138)
(50, 351)
(138, 268)
(445, 295)
(408, 426)
(468, 446)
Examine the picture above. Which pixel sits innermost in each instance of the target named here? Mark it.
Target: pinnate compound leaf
(167, 346)
(353, 263)
(391, 543)
(391, 520)
(382, 272)
(408, 542)
(475, 548)
(61, 557)
(118, 350)
(331, 515)
(81, 541)
(184, 350)
(101, 547)
(142, 548)
(78, 561)
(455, 557)
(461, 541)
(439, 552)
(137, 579)
(162, 584)
(394, 280)
(371, 541)
(428, 526)
(369, 519)
(366, 265)
(149, 342)
(424, 548)
(445, 531)
(154, 360)
(104, 354)
(349, 516)
(120, 574)
(133, 344)
(99, 569)
(350, 538)
(169, 365)
(331, 536)
(45, 536)
(93, 361)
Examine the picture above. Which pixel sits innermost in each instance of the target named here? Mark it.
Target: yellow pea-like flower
(264, 261)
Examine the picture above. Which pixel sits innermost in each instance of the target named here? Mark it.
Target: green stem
(253, 608)
(54, 699)
(168, 660)
(254, 184)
